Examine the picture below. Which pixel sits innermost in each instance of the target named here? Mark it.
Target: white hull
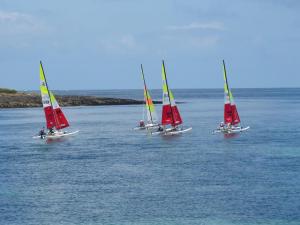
(171, 131)
(139, 128)
(232, 130)
(147, 126)
(56, 135)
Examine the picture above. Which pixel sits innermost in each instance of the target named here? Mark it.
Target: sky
(100, 44)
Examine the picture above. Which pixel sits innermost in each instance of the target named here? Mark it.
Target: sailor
(51, 131)
(142, 123)
(221, 125)
(42, 132)
(160, 128)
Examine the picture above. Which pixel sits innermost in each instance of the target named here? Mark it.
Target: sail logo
(46, 102)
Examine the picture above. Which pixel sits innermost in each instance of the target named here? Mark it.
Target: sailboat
(55, 118)
(170, 113)
(232, 121)
(149, 107)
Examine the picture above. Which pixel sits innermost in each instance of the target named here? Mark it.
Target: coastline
(31, 100)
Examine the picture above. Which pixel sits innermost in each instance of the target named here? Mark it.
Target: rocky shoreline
(29, 100)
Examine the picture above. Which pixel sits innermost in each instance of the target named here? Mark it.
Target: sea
(112, 175)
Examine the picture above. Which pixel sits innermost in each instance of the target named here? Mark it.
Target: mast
(226, 81)
(146, 91)
(49, 93)
(168, 91)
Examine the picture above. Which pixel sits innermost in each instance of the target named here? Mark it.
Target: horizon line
(129, 89)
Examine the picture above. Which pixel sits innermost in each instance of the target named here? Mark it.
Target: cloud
(188, 42)
(16, 23)
(199, 26)
(119, 44)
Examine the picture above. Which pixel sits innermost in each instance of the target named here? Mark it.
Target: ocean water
(109, 174)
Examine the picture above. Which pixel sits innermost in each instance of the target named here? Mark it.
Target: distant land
(10, 98)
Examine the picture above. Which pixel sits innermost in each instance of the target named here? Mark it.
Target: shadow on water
(231, 136)
(171, 137)
(53, 141)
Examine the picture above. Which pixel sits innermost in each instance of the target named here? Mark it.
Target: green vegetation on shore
(7, 91)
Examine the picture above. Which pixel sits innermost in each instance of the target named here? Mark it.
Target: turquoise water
(109, 174)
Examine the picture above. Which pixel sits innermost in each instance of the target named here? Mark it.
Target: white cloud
(206, 39)
(16, 23)
(199, 26)
(12, 16)
(119, 44)
(191, 41)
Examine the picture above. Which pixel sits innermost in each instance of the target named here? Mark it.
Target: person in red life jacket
(142, 123)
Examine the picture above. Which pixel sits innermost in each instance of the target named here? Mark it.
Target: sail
(53, 113)
(227, 114)
(235, 115)
(230, 110)
(62, 121)
(49, 114)
(150, 108)
(227, 104)
(170, 112)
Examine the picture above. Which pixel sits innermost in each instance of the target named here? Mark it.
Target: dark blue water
(109, 174)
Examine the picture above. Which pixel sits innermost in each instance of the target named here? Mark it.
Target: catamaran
(55, 118)
(150, 109)
(170, 112)
(232, 121)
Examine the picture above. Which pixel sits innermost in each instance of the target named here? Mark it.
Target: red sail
(168, 118)
(166, 115)
(227, 113)
(55, 118)
(62, 121)
(176, 115)
(50, 120)
(235, 115)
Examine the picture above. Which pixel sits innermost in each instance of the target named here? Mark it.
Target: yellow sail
(166, 91)
(150, 108)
